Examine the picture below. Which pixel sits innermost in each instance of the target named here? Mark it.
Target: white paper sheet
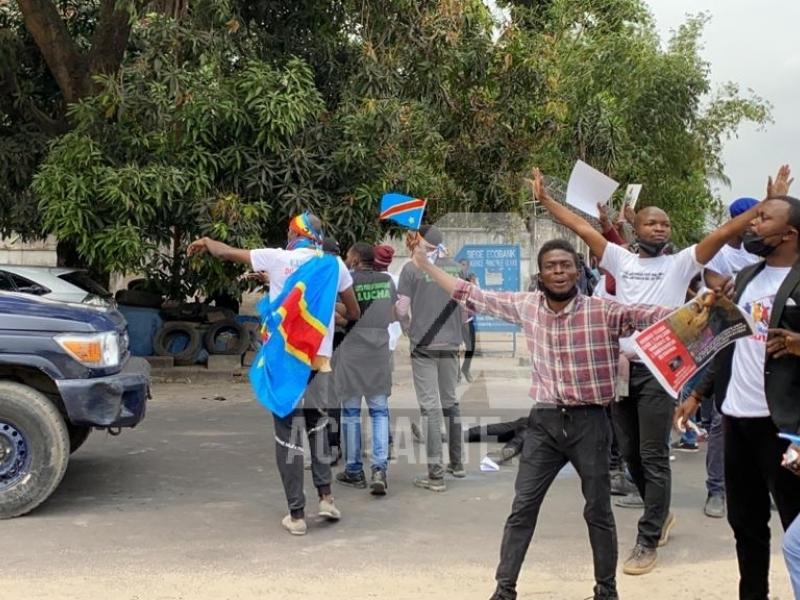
(587, 187)
(632, 194)
(487, 464)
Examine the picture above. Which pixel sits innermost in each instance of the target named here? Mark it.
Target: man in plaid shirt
(574, 345)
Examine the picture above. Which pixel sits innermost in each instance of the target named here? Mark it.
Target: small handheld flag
(404, 210)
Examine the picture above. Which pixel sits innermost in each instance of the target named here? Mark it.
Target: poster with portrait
(678, 346)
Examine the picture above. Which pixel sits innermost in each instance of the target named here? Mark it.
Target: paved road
(188, 506)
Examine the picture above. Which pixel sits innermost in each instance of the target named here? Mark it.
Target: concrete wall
(41, 253)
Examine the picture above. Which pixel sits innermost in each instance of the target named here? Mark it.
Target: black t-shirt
(434, 315)
(363, 361)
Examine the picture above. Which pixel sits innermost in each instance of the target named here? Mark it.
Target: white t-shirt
(746, 397)
(660, 281)
(279, 264)
(395, 330)
(600, 289)
(729, 260)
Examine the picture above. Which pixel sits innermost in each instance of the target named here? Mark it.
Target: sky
(752, 43)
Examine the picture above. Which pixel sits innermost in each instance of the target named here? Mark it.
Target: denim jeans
(791, 554)
(351, 430)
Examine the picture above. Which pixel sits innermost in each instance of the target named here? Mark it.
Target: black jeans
(643, 421)
(753, 472)
(554, 437)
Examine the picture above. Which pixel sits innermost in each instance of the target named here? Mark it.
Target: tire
(138, 298)
(236, 345)
(185, 356)
(41, 449)
(78, 434)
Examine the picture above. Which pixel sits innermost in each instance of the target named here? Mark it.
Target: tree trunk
(177, 9)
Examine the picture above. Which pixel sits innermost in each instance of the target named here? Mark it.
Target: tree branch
(57, 47)
(110, 38)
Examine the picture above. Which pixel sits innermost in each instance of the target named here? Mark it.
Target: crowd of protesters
(594, 404)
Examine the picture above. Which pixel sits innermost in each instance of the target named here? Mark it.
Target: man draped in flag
(300, 344)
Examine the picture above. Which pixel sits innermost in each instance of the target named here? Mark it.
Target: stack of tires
(187, 341)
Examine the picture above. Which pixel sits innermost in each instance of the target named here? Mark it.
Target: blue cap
(742, 205)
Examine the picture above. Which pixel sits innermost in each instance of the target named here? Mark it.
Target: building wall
(41, 253)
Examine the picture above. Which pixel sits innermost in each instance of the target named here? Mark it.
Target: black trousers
(643, 421)
(554, 437)
(468, 332)
(310, 416)
(753, 471)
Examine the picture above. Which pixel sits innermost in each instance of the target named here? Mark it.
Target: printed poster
(678, 346)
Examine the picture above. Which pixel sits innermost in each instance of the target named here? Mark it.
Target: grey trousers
(312, 420)
(435, 378)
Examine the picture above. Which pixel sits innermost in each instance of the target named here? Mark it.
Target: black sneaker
(504, 594)
(378, 484)
(352, 479)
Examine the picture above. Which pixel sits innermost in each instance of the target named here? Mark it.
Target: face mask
(558, 296)
(651, 248)
(755, 244)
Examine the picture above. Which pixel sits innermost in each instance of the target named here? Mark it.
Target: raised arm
(715, 240)
(218, 250)
(592, 237)
(503, 305)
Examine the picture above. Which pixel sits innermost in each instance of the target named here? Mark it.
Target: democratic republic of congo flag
(402, 209)
(296, 323)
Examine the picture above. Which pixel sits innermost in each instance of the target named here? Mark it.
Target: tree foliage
(227, 116)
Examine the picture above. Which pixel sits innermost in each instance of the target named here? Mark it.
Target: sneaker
(294, 526)
(630, 501)
(715, 506)
(641, 561)
(378, 485)
(669, 523)
(685, 446)
(503, 594)
(428, 483)
(602, 592)
(328, 510)
(457, 470)
(620, 486)
(354, 480)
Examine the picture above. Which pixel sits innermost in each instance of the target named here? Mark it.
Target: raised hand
(537, 186)
(419, 256)
(197, 247)
(783, 181)
(630, 214)
(605, 222)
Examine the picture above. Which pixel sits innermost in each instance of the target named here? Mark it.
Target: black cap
(331, 246)
(431, 234)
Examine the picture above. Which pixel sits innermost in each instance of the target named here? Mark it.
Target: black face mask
(556, 296)
(651, 248)
(755, 244)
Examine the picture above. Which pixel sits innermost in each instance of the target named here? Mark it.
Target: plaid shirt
(575, 352)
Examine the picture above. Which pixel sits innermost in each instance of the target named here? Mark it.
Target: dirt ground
(188, 506)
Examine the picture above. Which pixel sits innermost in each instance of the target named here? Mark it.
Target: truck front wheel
(34, 449)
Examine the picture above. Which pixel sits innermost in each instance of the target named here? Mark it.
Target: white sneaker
(328, 510)
(294, 526)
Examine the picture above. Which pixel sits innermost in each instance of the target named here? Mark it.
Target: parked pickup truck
(64, 369)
